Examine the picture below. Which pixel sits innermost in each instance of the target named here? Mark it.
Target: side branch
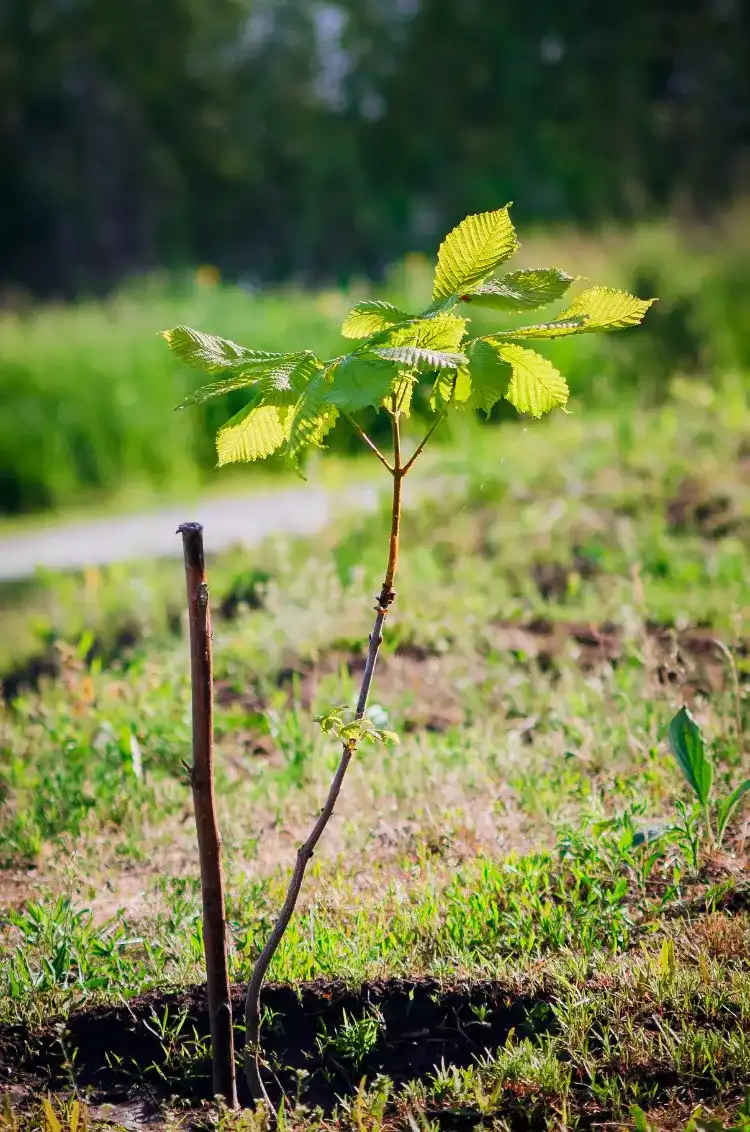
(370, 444)
(441, 414)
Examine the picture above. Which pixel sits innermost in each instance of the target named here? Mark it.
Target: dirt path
(246, 519)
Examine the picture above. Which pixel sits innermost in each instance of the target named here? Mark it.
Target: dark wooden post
(209, 838)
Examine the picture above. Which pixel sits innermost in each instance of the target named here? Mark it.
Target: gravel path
(246, 519)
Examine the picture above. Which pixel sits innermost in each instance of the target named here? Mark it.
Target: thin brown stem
(204, 803)
(429, 433)
(370, 444)
(304, 853)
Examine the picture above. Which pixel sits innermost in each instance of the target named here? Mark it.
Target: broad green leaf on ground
(522, 290)
(490, 375)
(472, 252)
(369, 317)
(726, 808)
(262, 426)
(212, 355)
(284, 369)
(605, 308)
(417, 357)
(536, 386)
(688, 748)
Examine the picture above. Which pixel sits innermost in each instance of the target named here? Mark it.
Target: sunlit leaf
(473, 251)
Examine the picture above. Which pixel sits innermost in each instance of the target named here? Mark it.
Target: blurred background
(247, 166)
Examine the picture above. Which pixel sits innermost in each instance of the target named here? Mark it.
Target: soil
(694, 509)
(120, 1057)
(695, 660)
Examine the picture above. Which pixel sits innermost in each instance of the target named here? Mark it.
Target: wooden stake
(204, 801)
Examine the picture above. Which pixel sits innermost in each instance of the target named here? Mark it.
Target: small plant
(698, 1121)
(355, 1039)
(296, 399)
(73, 1116)
(689, 749)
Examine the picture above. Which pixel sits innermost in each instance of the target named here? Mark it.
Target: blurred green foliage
(88, 389)
(284, 138)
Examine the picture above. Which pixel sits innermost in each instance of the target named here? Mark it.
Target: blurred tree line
(321, 138)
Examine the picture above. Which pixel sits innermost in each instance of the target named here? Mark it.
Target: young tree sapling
(296, 399)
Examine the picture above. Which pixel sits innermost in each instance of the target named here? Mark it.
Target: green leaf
(451, 389)
(402, 390)
(640, 1122)
(352, 731)
(490, 375)
(359, 380)
(369, 317)
(726, 808)
(522, 290)
(263, 425)
(558, 328)
(599, 308)
(648, 836)
(313, 416)
(212, 355)
(687, 745)
(536, 386)
(272, 373)
(218, 388)
(418, 357)
(255, 432)
(605, 308)
(472, 252)
(444, 332)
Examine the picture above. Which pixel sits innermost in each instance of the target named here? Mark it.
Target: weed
(689, 749)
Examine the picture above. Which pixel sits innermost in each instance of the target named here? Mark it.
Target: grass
(89, 389)
(561, 590)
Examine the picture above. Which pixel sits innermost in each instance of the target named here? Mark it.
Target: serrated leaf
(522, 290)
(558, 328)
(420, 358)
(361, 380)
(490, 375)
(536, 386)
(444, 332)
(605, 308)
(218, 388)
(686, 741)
(312, 417)
(255, 432)
(402, 389)
(212, 355)
(472, 252)
(270, 373)
(262, 426)
(451, 389)
(599, 308)
(369, 317)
